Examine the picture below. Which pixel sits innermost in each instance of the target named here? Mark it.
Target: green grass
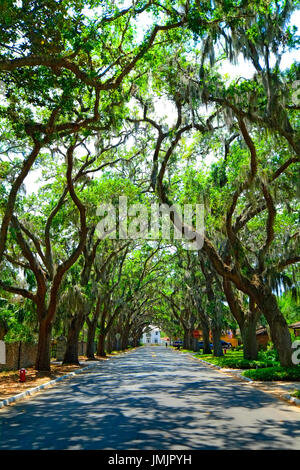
(235, 360)
(266, 368)
(275, 373)
(296, 394)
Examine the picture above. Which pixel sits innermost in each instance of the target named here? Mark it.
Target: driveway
(152, 398)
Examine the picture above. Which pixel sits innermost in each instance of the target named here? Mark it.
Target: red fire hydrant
(22, 375)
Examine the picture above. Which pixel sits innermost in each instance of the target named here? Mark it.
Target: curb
(31, 391)
(245, 378)
(214, 366)
(293, 400)
(286, 396)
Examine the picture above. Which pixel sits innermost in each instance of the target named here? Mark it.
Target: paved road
(151, 398)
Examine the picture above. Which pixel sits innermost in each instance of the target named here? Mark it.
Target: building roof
(295, 326)
(261, 330)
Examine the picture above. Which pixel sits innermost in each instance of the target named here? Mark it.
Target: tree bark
(124, 337)
(109, 344)
(186, 339)
(101, 345)
(248, 332)
(71, 354)
(205, 336)
(196, 347)
(42, 362)
(3, 328)
(280, 333)
(260, 293)
(90, 346)
(92, 326)
(247, 320)
(217, 347)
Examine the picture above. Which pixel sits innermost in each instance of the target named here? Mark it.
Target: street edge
(31, 391)
(38, 388)
(286, 396)
(246, 379)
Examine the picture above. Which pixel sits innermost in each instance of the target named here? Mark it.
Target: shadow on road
(151, 399)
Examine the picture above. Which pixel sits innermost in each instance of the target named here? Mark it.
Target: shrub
(296, 394)
(274, 373)
(235, 360)
(269, 355)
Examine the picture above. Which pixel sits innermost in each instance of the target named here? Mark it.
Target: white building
(151, 336)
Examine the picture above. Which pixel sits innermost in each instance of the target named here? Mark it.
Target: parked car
(224, 344)
(177, 344)
(201, 344)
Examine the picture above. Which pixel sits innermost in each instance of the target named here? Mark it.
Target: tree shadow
(141, 401)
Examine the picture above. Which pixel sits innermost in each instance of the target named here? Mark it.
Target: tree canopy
(108, 100)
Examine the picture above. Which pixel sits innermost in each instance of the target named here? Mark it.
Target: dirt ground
(10, 384)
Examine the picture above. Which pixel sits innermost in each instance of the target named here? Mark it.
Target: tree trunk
(42, 362)
(109, 345)
(248, 332)
(92, 326)
(101, 343)
(124, 338)
(71, 354)
(206, 340)
(136, 340)
(3, 328)
(247, 320)
(266, 301)
(186, 339)
(216, 334)
(196, 347)
(280, 333)
(90, 346)
(124, 342)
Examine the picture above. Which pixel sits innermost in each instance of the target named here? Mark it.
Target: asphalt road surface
(152, 398)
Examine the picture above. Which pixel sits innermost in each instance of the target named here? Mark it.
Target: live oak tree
(34, 252)
(91, 76)
(250, 280)
(52, 79)
(58, 68)
(98, 259)
(197, 300)
(135, 296)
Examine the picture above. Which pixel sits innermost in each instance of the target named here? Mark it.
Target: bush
(269, 355)
(274, 373)
(235, 360)
(20, 333)
(296, 394)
